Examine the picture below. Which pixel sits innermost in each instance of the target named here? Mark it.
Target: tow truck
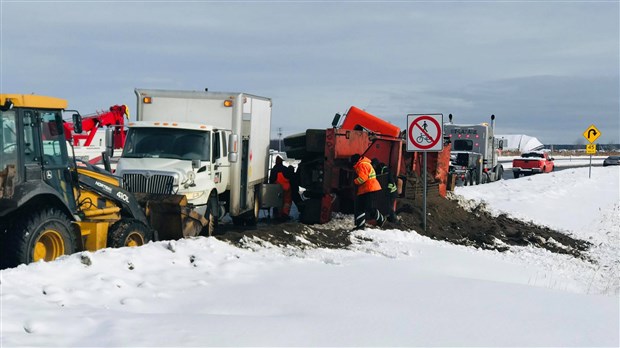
(97, 130)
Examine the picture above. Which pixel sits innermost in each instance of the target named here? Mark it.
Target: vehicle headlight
(194, 195)
(189, 182)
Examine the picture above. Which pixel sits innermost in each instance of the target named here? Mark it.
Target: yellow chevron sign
(591, 134)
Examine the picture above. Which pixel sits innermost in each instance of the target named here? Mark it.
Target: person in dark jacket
(390, 190)
(280, 174)
(294, 180)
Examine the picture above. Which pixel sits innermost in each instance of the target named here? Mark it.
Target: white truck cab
(212, 147)
(176, 158)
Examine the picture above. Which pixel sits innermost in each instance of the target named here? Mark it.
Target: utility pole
(279, 139)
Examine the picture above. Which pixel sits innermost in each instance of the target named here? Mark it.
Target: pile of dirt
(446, 220)
(288, 234)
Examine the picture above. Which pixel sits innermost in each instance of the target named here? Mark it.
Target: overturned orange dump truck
(327, 176)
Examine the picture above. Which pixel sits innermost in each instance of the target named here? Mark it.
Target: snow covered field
(391, 288)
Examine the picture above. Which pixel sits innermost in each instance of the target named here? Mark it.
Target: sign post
(424, 134)
(591, 134)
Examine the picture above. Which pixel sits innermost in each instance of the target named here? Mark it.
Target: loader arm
(109, 187)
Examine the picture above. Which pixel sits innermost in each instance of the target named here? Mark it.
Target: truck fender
(33, 194)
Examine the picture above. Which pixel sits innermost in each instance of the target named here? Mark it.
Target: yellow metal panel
(89, 199)
(96, 234)
(34, 101)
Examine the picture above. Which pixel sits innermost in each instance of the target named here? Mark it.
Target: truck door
(221, 166)
(45, 145)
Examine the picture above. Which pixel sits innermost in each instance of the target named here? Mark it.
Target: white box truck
(212, 147)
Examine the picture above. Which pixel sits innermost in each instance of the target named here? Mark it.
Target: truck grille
(158, 184)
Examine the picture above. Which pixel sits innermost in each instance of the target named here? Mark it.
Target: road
(560, 162)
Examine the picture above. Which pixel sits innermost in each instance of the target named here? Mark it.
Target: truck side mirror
(336, 120)
(196, 163)
(233, 145)
(8, 105)
(109, 141)
(77, 123)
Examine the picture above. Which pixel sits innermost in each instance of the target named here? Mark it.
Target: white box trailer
(212, 147)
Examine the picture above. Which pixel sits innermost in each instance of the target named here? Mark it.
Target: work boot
(380, 220)
(394, 219)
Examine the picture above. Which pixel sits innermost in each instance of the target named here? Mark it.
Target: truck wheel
(500, 173)
(43, 235)
(128, 232)
(249, 218)
(212, 214)
(252, 217)
(485, 178)
(516, 174)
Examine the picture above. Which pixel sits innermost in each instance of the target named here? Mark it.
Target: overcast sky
(546, 69)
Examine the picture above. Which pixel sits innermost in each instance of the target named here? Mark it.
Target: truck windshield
(167, 143)
(8, 140)
(463, 145)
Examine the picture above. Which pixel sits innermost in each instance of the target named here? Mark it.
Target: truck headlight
(194, 195)
(189, 182)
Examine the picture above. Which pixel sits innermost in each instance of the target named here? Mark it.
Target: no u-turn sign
(425, 132)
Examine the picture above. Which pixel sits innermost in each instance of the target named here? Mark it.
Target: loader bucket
(170, 216)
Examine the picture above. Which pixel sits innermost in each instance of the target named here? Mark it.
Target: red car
(532, 163)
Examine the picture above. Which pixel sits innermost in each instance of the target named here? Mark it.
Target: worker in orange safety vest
(368, 188)
(280, 174)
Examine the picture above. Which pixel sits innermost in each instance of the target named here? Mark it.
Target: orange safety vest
(366, 180)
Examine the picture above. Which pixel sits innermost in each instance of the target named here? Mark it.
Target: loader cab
(34, 148)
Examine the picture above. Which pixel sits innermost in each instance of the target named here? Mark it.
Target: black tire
(128, 232)
(238, 220)
(500, 173)
(212, 215)
(485, 178)
(38, 235)
(249, 218)
(516, 174)
(252, 216)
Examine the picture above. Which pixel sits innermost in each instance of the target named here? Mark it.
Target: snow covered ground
(391, 288)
